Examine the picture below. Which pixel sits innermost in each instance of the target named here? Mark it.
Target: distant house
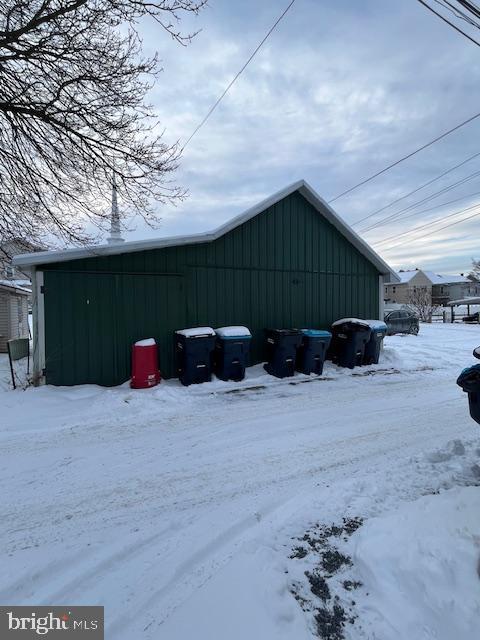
(410, 281)
(15, 291)
(9, 249)
(446, 288)
(13, 312)
(442, 288)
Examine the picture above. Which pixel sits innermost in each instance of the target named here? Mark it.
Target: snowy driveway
(142, 500)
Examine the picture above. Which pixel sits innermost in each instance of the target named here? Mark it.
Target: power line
(410, 193)
(428, 224)
(457, 12)
(452, 224)
(409, 155)
(450, 23)
(414, 205)
(235, 78)
(439, 206)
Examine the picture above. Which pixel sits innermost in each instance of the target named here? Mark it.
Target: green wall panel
(287, 266)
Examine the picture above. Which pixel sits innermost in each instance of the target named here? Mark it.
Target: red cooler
(145, 371)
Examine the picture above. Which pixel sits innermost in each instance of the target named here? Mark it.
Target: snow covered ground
(180, 509)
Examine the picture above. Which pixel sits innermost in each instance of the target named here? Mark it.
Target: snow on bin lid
(148, 342)
(376, 324)
(233, 332)
(354, 320)
(316, 333)
(194, 332)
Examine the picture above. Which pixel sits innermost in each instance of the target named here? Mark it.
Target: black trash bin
(469, 380)
(231, 352)
(378, 330)
(311, 353)
(349, 337)
(194, 350)
(282, 345)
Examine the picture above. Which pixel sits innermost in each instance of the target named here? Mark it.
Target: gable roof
(46, 257)
(438, 278)
(406, 276)
(435, 278)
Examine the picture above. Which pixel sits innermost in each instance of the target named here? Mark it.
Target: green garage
(290, 261)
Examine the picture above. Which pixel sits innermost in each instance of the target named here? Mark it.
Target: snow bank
(232, 332)
(194, 332)
(148, 342)
(420, 568)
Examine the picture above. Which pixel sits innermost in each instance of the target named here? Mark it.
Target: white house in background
(13, 312)
(446, 288)
(15, 292)
(442, 288)
(400, 293)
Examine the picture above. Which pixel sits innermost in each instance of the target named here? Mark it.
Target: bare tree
(475, 272)
(73, 86)
(420, 302)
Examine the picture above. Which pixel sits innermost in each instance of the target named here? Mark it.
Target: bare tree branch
(420, 302)
(73, 87)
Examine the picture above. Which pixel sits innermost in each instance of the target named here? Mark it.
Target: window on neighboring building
(9, 271)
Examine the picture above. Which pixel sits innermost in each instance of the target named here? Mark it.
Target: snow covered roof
(45, 257)
(463, 301)
(406, 276)
(435, 278)
(438, 278)
(11, 284)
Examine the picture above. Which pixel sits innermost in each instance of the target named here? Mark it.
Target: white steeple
(115, 235)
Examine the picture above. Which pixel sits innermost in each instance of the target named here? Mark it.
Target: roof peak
(144, 245)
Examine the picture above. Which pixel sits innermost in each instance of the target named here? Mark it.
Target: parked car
(473, 317)
(401, 321)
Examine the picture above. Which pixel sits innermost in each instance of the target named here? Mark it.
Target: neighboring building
(446, 288)
(290, 261)
(13, 313)
(400, 293)
(8, 271)
(442, 288)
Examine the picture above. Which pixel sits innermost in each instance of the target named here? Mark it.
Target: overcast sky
(341, 89)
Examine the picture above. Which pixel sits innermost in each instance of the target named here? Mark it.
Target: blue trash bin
(231, 352)
(469, 381)
(194, 350)
(282, 345)
(378, 331)
(313, 350)
(349, 337)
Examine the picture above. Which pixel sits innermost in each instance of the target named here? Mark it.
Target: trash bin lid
(229, 333)
(469, 379)
(358, 321)
(376, 325)
(284, 332)
(196, 332)
(316, 333)
(148, 342)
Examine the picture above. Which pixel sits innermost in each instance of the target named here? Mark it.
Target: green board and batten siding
(287, 266)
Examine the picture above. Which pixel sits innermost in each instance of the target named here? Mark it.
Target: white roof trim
(48, 257)
(14, 287)
(464, 301)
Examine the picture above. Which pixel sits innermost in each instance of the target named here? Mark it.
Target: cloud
(339, 91)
